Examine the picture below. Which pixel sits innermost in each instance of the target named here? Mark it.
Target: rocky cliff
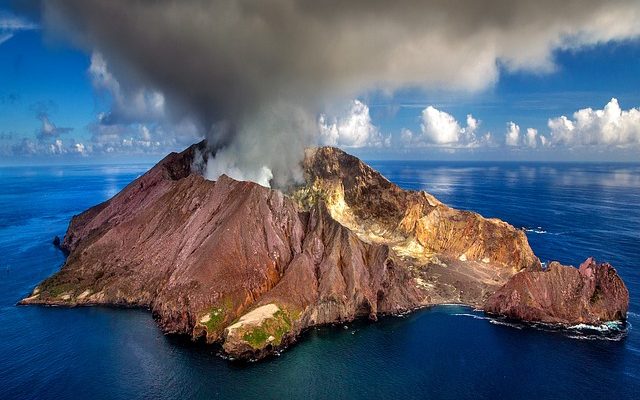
(249, 267)
(591, 294)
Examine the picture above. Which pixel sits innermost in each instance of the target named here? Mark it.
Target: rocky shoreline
(250, 268)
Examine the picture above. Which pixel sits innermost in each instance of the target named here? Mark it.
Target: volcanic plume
(252, 76)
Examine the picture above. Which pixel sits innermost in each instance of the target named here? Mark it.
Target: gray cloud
(253, 75)
(48, 129)
(130, 104)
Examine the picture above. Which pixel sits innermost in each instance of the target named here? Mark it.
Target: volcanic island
(249, 268)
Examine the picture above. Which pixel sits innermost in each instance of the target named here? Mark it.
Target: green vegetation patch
(277, 326)
(59, 290)
(216, 316)
(293, 314)
(307, 196)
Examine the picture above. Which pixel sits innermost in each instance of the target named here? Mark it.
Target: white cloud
(138, 138)
(610, 126)
(56, 147)
(355, 129)
(544, 141)
(441, 129)
(80, 148)
(10, 24)
(132, 105)
(531, 138)
(406, 135)
(512, 137)
(29, 147)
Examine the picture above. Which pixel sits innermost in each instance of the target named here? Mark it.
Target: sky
(74, 92)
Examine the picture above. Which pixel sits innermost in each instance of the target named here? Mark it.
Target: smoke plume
(255, 74)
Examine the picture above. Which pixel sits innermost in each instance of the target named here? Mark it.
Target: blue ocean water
(570, 211)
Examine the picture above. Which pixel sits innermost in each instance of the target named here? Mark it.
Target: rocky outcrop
(591, 294)
(249, 267)
(415, 224)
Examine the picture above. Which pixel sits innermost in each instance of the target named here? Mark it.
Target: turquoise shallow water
(570, 211)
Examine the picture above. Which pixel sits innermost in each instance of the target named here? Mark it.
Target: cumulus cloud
(512, 137)
(355, 129)
(136, 138)
(11, 24)
(441, 129)
(531, 138)
(226, 64)
(610, 126)
(56, 147)
(79, 148)
(46, 140)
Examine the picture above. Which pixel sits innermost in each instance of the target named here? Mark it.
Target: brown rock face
(591, 294)
(249, 267)
(416, 224)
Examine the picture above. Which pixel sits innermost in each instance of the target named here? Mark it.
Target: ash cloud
(254, 75)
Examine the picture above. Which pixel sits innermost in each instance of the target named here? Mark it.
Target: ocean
(570, 212)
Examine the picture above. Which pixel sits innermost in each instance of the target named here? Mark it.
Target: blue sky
(588, 77)
(47, 93)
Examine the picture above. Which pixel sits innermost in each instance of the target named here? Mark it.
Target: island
(249, 268)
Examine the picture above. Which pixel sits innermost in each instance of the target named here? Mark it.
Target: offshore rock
(591, 294)
(249, 268)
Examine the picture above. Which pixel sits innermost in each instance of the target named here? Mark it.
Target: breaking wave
(538, 230)
(472, 316)
(506, 323)
(614, 330)
(606, 327)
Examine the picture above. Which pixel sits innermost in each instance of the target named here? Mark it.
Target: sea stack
(249, 267)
